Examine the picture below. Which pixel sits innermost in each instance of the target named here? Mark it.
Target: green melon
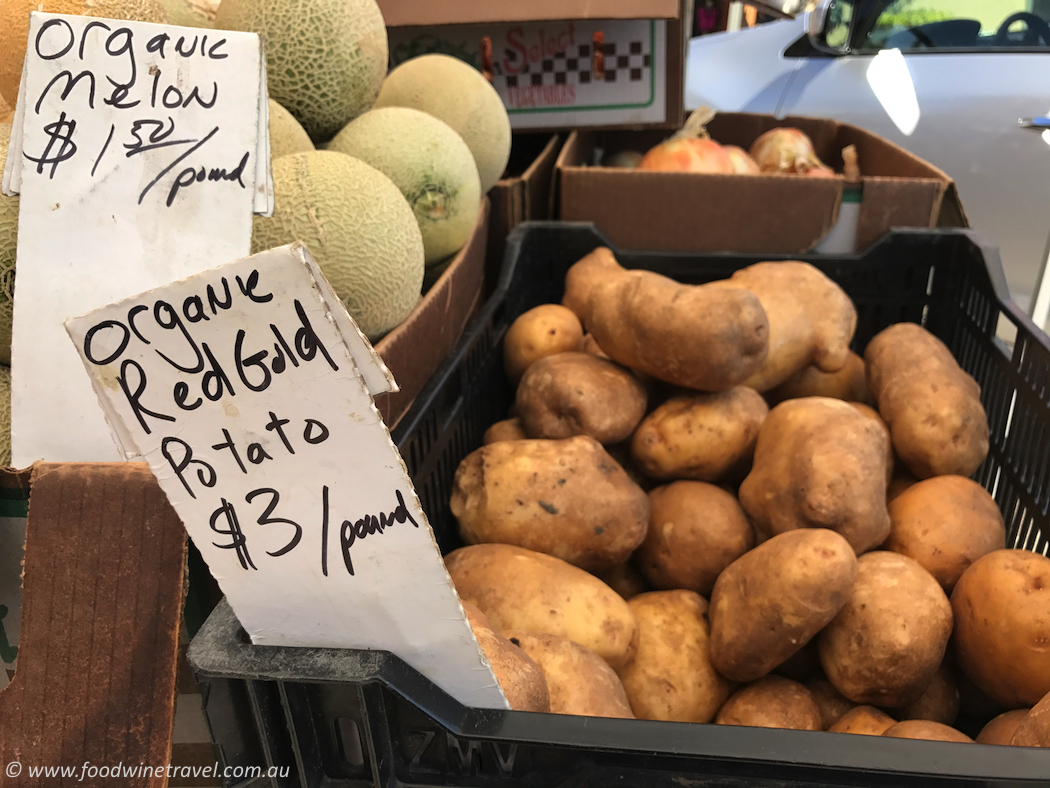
(431, 165)
(325, 59)
(458, 94)
(286, 133)
(8, 242)
(357, 226)
(5, 417)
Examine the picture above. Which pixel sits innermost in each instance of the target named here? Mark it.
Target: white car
(964, 84)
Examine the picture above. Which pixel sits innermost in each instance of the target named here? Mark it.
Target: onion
(743, 164)
(785, 150)
(687, 155)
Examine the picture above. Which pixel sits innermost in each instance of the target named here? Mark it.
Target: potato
(532, 592)
(766, 605)
(811, 320)
(924, 729)
(625, 580)
(1002, 626)
(1034, 729)
(695, 531)
(518, 675)
(803, 665)
(700, 436)
(864, 721)
(571, 394)
(900, 482)
(973, 701)
(582, 277)
(580, 681)
(932, 406)
(885, 645)
(542, 331)
(945, 523)
(704, 337)
(670, 676)
(938, 703)
(590, 345)
(820, 463)
(832, 703)
(772, 702)
(1001, 729)
(567, 498)
(506, 430)
(850, 383)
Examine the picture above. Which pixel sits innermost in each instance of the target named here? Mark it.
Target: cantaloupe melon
(5, 417)
(8, 241)
(458, 94)
(286, 133)
(357, 226)
(431, 165)
(14, 28)
(192, 13)
(325, 59)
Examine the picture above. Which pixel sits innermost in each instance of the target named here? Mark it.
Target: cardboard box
(685, 212)
(544, 60)
(522, 194)
(415, 349)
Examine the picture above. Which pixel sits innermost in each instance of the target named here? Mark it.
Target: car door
(944, 80)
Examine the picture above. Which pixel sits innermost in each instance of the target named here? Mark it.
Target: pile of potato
(705, 508)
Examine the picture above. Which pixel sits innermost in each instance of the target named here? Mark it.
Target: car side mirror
(817, 21)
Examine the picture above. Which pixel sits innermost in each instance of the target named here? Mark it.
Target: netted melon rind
(287, 135)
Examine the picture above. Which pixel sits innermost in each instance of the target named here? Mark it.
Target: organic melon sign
(140, 152)
(248, 390)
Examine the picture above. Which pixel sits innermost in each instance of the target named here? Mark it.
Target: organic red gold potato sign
(248, 390)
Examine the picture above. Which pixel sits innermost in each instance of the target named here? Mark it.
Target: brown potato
(1002, 626)
(506, 430)
(580, 681)
(532, 592)
(863, 720)
(695, 531)
(832, 703)
(625, 580)
(885, 645)
(938, 703)
(772, 702)
(1001, 729)
(521, 679)
(703, 337)
(811, 320)
(850, 384)
(766, 605)
(670, 676)
(542, 331)
(582, 277)
(1034, 729)
(945, 523)
(571, 394)
(567, 498)
(933, 407)
(820, 463)
(705, 437)
(590, 345)
(924, 729)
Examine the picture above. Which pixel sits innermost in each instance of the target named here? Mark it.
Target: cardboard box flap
(412, 13)
(102, 602)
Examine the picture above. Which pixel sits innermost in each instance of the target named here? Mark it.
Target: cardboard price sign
(140, 152)
(248, 390)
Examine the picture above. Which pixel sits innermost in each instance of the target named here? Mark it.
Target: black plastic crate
(365, 718)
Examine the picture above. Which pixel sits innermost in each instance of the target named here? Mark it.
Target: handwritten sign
(241, 388)
(140, 152)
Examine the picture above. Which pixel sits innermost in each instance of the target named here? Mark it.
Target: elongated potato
(567, 498)
(670, 676)
(850, 384)
(521, 679)
(537, 333)
(522, 590)
(705, 437)
(864, 721)
(772, 702)
(885, 645)
(932, 406)
(1034, 729)
(820, 463)
(768, 604)
(571, 394)
(581, 279)
(580, 681)
(924, 729)
(704, 337)
(1001, 729)
(811, 320)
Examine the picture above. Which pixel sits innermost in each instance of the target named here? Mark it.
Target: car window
(978, 25)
